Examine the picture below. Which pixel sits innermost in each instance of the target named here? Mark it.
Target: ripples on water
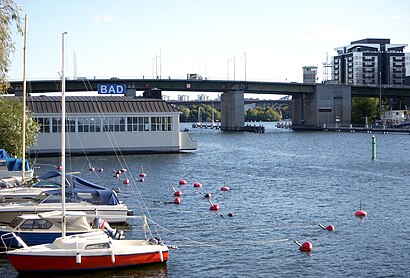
(282, 184)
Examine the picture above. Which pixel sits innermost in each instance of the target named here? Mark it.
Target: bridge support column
(232, 111)
(330, 106)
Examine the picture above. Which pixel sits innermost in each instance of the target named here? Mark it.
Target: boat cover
(4, 154)
(16, 164)
(81, 189)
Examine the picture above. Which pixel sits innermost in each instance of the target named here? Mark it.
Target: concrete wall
(232, 111)
(330, 105)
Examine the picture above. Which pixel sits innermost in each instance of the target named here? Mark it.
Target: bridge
(312, 104)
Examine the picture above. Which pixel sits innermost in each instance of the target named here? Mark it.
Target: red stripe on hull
(29, 263)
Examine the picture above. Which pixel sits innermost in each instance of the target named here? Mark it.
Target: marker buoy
(197, 185)
(225, 188)
(183, 182)
(177, 201)
(60, 168)
(178, 193)
(214, 207)
(91, 169)
(306, 247)
(126, 181)
(360, 213)
(330, 228)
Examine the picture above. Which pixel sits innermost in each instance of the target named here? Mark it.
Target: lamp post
(244, 55)
(380, 95)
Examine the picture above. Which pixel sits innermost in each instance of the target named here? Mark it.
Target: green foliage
(264, 114)
(11, 124)
(363, 107)
(9, 15)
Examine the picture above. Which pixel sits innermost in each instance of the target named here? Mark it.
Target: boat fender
(78, 258)
(160, 255)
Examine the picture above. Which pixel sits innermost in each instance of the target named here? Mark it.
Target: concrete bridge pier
(232, 111)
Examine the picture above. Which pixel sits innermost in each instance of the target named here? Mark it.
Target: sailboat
(83, 252)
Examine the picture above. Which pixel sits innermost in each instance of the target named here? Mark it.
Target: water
(282, 184)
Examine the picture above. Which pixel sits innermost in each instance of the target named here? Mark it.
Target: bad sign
(114, 89)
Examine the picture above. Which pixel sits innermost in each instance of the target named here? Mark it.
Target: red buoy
(126, 181)
(306, 247)
(183, 182)
(60, 168)
(123, 170)
(330, 228)
(225, 188)
(178, 193)
(177, 201)
(197, 185)
(214, 207)
(360, 213)
(142, 175)
(117, 176)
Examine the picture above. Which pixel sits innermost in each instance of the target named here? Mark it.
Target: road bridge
(312, 104)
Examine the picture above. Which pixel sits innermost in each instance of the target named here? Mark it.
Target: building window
(161, 124)
(138, 124)
(56, 125)
(44, 124)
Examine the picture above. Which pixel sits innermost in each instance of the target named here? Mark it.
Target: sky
(260, 40)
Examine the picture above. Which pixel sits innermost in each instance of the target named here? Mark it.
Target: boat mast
(23, 157)
(63, 138)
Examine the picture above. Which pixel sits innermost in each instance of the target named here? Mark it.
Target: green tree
(11, 119)
(9, 15)
(363, 107)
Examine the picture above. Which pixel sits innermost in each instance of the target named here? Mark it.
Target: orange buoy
(183, 182)
(178, 193)
(214, 207)
(225, 188)
(126, 181)
(360, 213)
(306, 247)
(177, 201)
(330, 228)
(197, 185)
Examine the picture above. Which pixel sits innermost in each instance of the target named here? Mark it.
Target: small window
(97, 246)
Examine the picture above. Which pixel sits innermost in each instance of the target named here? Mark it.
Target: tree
(364, 107)
(11, 119)
(9, 15)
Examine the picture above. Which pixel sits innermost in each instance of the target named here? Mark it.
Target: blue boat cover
(77, 189)
(4, 154)
(13, 164)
